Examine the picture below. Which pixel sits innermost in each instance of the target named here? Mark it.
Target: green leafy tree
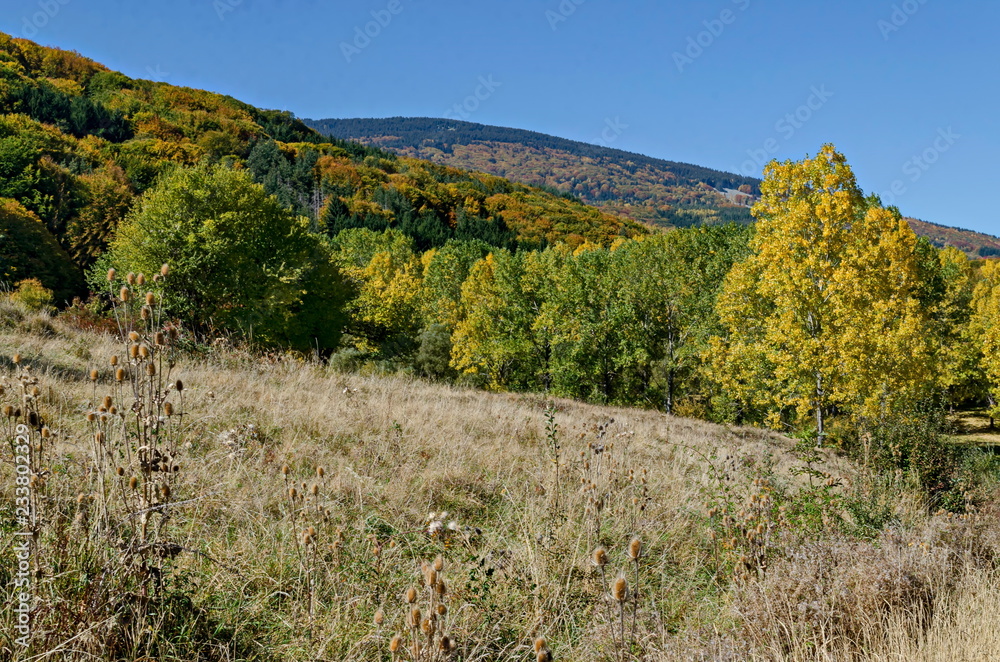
(239, 260)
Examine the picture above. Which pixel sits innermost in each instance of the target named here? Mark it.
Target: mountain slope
(80, 143)
(630, 185)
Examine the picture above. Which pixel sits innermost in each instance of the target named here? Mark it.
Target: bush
(239, 261)
(433, 358)
(33, 295)
(912, 443)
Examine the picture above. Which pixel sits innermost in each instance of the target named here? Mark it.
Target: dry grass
(249, 583)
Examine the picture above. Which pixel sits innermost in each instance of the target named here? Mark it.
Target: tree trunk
(820, 432)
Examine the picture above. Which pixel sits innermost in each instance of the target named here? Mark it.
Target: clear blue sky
(887, 80)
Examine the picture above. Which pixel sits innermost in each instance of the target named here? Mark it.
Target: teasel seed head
(106, 401)
(130, 278)
(165, 270)
(168, 408)
(160, 339)
(133, 336)
(439, 563)
(431, 576)
(143, 351)
(447, 645)
(120, 471)
(111, 275)
(93, 375)
(285, 470)
(133, 482)
(429, 627)
(150, 299)
(133, 351)
(140, 279)
(635, 549)
(441, 588)
(620, 590)
(165, 490)
(600, 557)
(46, 433)
(311, 531)
(91, 417)
(415, 617)
(320, 471)
(293, 493)
(179, 385)
(99, 437)
(120, 374)
(124, 294)
(395, 643)
(81, 498)
(411, 595)
(8, 411)
(540, 644)
(544, 655)
(145, 313)
(314, 490)
(151, 369)
(379, 617)
(442, 610)
(17, 359)
(307, 539)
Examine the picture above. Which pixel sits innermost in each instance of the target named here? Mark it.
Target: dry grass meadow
(276, 510)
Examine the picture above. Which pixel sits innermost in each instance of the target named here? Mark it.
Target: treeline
(829, 308)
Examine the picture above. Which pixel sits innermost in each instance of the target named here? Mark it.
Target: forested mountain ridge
(80, 144)
(634, 186)
(646, 189)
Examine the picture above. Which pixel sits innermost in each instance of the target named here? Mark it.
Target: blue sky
(907, 89)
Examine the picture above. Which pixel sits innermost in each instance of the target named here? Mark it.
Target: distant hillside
(79, 143)
(646, 189)
(634, 186)
(976, 244)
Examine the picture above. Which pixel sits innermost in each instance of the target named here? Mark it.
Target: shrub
(240, 262)
(433, 358)
(33, 295)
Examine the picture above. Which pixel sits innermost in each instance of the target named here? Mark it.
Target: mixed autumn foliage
(654, 191)
(829, 307)
(79, 144)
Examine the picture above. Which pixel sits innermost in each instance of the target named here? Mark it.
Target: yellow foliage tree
(986, 328)
(824, 314)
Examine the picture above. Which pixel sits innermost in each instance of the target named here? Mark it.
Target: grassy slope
(393, 450)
